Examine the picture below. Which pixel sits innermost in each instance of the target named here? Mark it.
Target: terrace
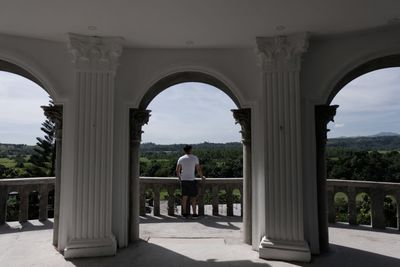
(213, 239)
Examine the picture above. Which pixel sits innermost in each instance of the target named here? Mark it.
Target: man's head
(187, 149)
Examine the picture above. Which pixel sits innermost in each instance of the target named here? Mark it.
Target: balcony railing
(377, 191)
(21, 188)
(209, 191)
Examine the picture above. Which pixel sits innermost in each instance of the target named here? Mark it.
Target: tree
(43, 157)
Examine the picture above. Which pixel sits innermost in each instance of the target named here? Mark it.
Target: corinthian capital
(281, 53)
(92, 53)
(137, 118)
(243, 117)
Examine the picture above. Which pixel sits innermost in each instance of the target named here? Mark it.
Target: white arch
(191, 68)
(28, 65)
(349, 66)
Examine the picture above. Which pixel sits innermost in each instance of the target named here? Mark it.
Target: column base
(284, 250)
(91, 248)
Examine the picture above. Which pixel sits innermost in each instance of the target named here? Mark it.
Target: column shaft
(281, 60)
(95, 60)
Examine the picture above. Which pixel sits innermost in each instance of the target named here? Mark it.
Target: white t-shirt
(188, 163)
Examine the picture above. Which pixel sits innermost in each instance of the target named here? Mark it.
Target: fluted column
(243, 117)
(95, 60)
(137, 118)
(280, 58)
(323, 115)
(55, 114)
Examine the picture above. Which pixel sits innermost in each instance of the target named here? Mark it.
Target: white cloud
(339, 125)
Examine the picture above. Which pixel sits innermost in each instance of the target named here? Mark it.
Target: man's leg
(194, 202)
(184, 206)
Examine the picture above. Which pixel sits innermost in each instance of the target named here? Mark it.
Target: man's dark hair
(187, 148)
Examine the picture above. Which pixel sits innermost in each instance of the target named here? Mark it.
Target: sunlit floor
(207, 241)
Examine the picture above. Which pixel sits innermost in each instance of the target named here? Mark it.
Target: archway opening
(362, 146)
(27, 150)
(197, 113)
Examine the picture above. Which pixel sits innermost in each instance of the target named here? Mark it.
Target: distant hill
(152, 147)
(15, 150)
(385, 134)
(380, 142)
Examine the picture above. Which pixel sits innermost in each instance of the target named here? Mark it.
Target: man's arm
(178, 171)
(200, 171)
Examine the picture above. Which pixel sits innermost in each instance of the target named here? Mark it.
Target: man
(185, 170)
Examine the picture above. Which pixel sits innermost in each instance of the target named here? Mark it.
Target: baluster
(398, 209)
(44, 201)
(142, 208)
(241, 200)
(215, 200)
(24, 205)
(171, 200)
(3, 204)
(201, 187)
(156, 202)
(378, 218)
(352, 208)
(229, 201)
(331, 205)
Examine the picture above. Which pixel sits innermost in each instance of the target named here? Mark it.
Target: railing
(377, 191)
(23, 187)
(211, 188)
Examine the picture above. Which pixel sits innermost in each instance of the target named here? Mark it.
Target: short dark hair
(187, 148)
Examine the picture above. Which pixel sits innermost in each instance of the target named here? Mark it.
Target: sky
(368, 105)
(20, 113)
(195, 112)
(191, 113)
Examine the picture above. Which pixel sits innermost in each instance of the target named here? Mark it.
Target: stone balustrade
(212, 186)
(25, 186)
(375, 190)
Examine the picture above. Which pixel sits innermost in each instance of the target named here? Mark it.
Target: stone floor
(207, 241)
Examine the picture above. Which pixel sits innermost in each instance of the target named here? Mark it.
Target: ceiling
(193, 24)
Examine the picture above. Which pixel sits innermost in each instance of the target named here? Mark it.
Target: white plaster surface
(177, 242)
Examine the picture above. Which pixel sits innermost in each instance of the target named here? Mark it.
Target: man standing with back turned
(185, 170)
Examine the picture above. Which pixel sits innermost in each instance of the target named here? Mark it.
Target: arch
(182, 77)
(12, 207)
(22, 66)
(364, 68)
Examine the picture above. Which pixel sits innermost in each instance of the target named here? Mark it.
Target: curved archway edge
(182, 77)
(25, 68)
(371, 65)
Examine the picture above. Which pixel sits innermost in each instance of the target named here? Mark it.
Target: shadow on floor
(149, 255)
(345, 256)
(364, 228)
(34, 225)
(208, 221)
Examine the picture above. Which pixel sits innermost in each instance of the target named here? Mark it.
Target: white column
(281, 60)
(95, 60)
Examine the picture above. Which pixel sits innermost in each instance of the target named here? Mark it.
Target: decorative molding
(137, 118)
(93, 53)
(243, 117)
(281, 52)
